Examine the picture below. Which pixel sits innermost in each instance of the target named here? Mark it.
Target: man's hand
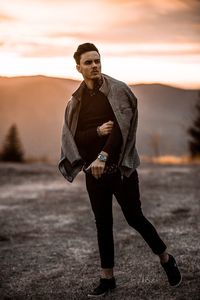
(97, 166)
(105, 128)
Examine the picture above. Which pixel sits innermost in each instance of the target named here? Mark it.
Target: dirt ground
(48, 247)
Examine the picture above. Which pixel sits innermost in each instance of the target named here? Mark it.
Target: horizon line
(186, 86)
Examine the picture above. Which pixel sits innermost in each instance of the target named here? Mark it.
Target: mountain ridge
(78, 81)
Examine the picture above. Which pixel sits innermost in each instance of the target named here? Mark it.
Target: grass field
(48, 247)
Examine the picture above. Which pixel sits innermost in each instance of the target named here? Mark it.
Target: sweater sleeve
(114, 140)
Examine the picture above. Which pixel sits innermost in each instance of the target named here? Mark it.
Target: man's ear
(78, 68)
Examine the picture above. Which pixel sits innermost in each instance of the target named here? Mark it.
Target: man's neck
(92, 83)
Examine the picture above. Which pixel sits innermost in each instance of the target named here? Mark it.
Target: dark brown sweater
(96, 110)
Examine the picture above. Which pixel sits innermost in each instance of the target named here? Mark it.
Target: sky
(140, 41)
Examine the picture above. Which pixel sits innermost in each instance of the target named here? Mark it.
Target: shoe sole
(176, 285)
(97, 296)
(102, 295)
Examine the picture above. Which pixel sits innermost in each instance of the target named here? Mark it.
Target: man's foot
(105, 286)
(172, 271)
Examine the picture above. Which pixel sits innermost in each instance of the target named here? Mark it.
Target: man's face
(90, 65)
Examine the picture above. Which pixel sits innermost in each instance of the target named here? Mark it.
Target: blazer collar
(105, 88)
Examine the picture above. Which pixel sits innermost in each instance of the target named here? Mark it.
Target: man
(99, 136)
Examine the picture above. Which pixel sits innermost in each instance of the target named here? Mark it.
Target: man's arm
(114, 140)
(85, 137)
(113, 144)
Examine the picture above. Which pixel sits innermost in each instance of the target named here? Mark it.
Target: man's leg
(126, 191)
(101, 201)
(128, 196)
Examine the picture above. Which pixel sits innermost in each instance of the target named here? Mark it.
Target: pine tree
(12, 147)
(194, 132)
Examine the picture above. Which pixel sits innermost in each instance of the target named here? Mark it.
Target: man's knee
(135, 219)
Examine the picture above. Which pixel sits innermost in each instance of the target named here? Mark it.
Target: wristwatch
(102, 157)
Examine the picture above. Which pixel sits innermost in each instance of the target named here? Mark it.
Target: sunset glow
(139, 40)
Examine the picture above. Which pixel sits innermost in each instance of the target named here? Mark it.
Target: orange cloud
(33, 50)
(6, 18)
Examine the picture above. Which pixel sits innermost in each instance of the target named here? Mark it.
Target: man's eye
(97, 61)
(89, 62)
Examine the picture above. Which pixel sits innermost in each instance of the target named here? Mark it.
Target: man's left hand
(97, 168)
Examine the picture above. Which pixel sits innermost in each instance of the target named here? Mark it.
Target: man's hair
(86, 47)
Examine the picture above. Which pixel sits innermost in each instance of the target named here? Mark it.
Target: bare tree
(194, 132)
(12, 147)
(154, 142)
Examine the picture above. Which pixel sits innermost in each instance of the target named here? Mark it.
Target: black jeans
(126, 191)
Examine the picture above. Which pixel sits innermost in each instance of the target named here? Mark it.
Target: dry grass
(48, 245)
(171, 159)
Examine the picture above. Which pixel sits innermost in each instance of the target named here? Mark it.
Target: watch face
(102, 157)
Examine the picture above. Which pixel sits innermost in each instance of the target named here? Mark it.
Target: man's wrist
(103, 156)
(104, 153)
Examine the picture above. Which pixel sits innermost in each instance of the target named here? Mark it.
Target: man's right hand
(106, 128)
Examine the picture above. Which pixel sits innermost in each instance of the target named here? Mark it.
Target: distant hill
(167, 112)
(36, 104)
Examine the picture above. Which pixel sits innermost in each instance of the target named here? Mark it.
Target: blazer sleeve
(131, 139)
(70, 163)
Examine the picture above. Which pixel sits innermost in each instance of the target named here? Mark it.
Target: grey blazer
(124, 105)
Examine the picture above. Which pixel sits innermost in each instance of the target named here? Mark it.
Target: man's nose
(94, 64)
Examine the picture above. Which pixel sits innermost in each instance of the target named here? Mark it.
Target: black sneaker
(105, 286)
(172, 271)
